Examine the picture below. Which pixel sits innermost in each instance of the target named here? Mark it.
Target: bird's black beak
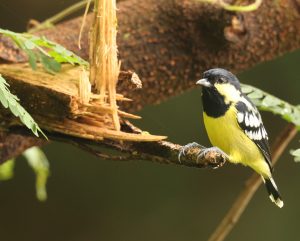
(204, 83)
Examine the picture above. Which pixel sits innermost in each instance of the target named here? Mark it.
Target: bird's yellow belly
(225, 133)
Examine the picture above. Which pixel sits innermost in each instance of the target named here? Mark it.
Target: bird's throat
(213, 103)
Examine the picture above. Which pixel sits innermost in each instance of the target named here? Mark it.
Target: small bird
(234, 126)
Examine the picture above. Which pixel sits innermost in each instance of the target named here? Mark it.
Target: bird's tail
(273, 191)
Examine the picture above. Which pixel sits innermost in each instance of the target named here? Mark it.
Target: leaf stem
(59, 16)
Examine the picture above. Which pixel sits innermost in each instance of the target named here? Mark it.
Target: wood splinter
(66, 113)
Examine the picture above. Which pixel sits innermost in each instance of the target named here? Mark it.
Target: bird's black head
(218, 76)
(220, 89)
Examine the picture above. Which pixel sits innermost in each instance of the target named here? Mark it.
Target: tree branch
(163, 152)
(68, 119)
(173, 41)
(251, 186)
(48, 23)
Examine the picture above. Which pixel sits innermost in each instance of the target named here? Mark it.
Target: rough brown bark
(171, 42)
(14, 142)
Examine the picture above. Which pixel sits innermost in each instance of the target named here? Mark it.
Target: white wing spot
(256, 122)
(252, 120)
(246, 119)
(255, 135)
(259, 135)
(249, 134)
(265, 133)
(240, 117)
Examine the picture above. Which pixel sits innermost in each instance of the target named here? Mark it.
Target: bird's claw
(185, 148)
(203, 153)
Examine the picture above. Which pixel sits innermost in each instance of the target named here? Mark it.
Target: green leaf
(29, 44)
(31, 58)
(40, 164)
(3, 98)
(268, 102)
(255, 95)
(49, 53)
(50, 65)
(296, 154)
(7, 170)
(10, 101)
(246, 89)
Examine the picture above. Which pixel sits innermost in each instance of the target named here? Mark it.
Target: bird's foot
(203, 153)
(187, 147)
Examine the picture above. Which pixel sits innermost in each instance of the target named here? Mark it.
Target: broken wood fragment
(54, 102)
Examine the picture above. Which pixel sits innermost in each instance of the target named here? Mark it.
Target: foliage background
(91, 199)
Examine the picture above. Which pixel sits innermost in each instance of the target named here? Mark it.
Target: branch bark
(163, 152)
(170, 42)
(173, 41)
(68, 119)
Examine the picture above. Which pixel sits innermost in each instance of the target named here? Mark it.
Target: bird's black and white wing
(251, 123)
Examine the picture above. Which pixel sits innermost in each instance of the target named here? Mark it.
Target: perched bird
(234, 125)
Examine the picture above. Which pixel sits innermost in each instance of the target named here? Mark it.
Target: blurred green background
(92, 199)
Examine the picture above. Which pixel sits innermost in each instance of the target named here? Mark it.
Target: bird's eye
(222, 80)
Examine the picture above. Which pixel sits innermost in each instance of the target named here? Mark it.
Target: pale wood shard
(105, 67)
(66, 112)
(84, 87)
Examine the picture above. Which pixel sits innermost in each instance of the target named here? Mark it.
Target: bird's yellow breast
(225, 133)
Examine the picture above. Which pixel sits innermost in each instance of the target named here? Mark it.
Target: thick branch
(171, 42)
(68, 119)
(18, 139)
(163, 152)
(167, 153)
(13, 144)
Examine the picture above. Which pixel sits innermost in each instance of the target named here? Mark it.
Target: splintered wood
(56, 104)
(76, 101)
(105, 67)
